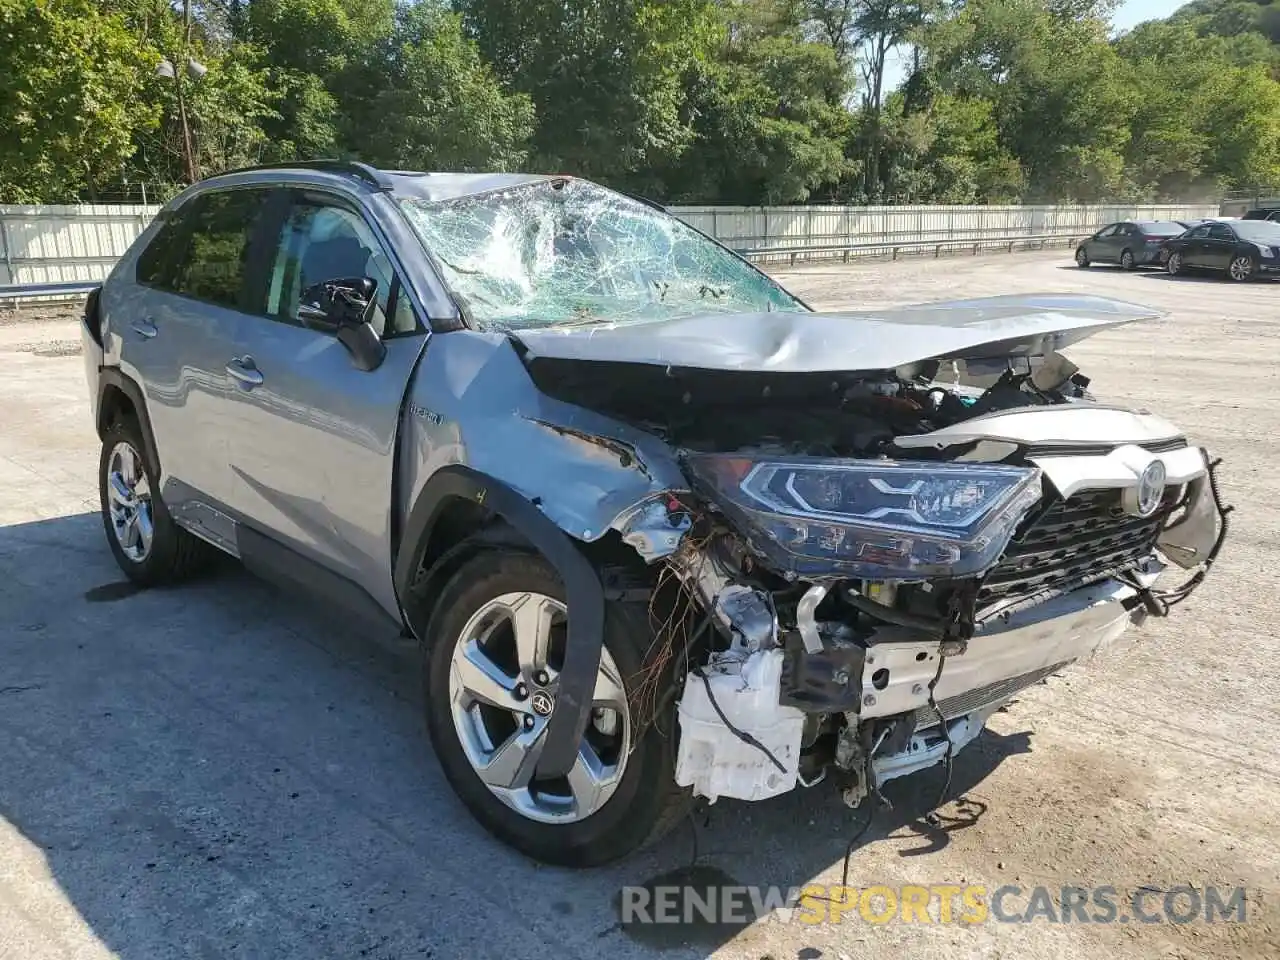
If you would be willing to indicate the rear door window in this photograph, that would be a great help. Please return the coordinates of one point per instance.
(1220, 232)
(214, 261)
(157, 260)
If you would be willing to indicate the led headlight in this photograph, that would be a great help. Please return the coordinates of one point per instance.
(871, 519)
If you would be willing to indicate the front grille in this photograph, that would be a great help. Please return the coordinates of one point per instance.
(1074, 542)
(965, 703)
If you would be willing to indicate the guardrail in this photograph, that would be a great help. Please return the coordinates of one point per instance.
(48, 292)
(847, 250)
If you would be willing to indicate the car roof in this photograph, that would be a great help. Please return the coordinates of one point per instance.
(421, 185)
(451, 186)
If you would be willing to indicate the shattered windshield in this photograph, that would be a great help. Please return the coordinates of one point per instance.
(561, 252)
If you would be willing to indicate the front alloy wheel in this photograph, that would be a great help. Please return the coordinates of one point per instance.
(1174, 266)
(1241, 268)
(1082, 258)
(496, 641)
(503, 685)
(1126, 260)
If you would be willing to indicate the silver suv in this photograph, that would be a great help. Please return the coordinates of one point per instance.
(663, 531)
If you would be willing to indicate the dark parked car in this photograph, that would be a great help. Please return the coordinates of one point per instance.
(1241, 249)
(1130, 243)
(1264, 213)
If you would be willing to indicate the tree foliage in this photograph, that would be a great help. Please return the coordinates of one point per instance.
(70, 76)
(731, 101)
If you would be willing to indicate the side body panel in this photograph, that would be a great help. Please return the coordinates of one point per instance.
(174, 349)
(313, 449)
(472, 403)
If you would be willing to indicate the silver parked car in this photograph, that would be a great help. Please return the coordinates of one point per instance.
(663, 531)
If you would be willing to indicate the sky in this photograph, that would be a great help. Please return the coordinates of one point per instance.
(1133, 12)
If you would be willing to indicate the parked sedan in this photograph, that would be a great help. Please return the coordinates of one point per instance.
(1241, 249)
(1130, 243)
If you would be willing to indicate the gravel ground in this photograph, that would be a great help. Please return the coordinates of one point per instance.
(222, 771)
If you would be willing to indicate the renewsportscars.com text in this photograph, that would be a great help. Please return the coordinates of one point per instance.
(936, 903)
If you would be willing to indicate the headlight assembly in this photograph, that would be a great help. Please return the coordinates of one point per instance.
(871, 519)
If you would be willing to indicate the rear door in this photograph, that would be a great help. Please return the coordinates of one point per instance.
(1133, 238)
(314, 445)
(178, 328)
(1219, 246)
(1195, 246)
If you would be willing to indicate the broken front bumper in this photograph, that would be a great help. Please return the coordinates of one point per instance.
(1004, 657)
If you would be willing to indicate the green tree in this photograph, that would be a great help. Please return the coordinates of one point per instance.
(70, 79)
(1206, 116)
(309, 49)
(1058, 90)
(607, 80)
(434, 104)
(768, 123)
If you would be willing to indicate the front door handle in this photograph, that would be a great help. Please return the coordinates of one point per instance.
(245, 371)
(144, 328)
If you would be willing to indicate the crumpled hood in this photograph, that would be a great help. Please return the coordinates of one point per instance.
(850, 342)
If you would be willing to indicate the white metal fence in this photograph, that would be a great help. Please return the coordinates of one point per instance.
(58, 243)
(754, 228)
(53, 243)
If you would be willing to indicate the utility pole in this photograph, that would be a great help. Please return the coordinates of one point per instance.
(188, 153)
(194, 71)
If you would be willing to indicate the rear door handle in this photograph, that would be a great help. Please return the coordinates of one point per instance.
(144, 328)
(245, 371)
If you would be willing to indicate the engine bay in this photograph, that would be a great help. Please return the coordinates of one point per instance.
(807, 414)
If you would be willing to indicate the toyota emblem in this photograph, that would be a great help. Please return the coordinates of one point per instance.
(542, 703)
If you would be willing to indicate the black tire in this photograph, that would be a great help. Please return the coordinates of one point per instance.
(175, 555)
(1082, 258)
(647, 802)
(1249, 261)
(1174, 264)
(1127, 262)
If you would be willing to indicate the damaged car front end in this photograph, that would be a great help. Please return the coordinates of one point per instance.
(883, 558)
(865, 532)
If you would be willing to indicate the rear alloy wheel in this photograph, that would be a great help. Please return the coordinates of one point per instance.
(1082, 258)
(1127, 261)
(1241, 268)
(1174, 266)
(148, 546)
(496, 642)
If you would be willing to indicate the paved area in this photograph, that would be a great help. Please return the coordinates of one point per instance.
(219, 771)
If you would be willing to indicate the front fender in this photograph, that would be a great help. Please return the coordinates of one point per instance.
(585, 594)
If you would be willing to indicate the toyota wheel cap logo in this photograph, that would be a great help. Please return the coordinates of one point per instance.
(1151, 488)
(542, 703)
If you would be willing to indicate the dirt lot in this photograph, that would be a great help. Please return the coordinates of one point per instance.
(219, 771)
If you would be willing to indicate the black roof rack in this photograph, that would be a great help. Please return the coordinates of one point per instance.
(355, 168)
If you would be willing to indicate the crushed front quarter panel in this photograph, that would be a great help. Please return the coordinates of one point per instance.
(472, 403)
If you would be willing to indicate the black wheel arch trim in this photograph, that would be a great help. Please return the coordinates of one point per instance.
(113, 377)
(583, 588)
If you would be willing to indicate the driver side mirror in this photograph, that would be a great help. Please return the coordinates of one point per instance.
(345, 308)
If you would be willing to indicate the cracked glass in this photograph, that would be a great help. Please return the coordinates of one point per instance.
(568, 252)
